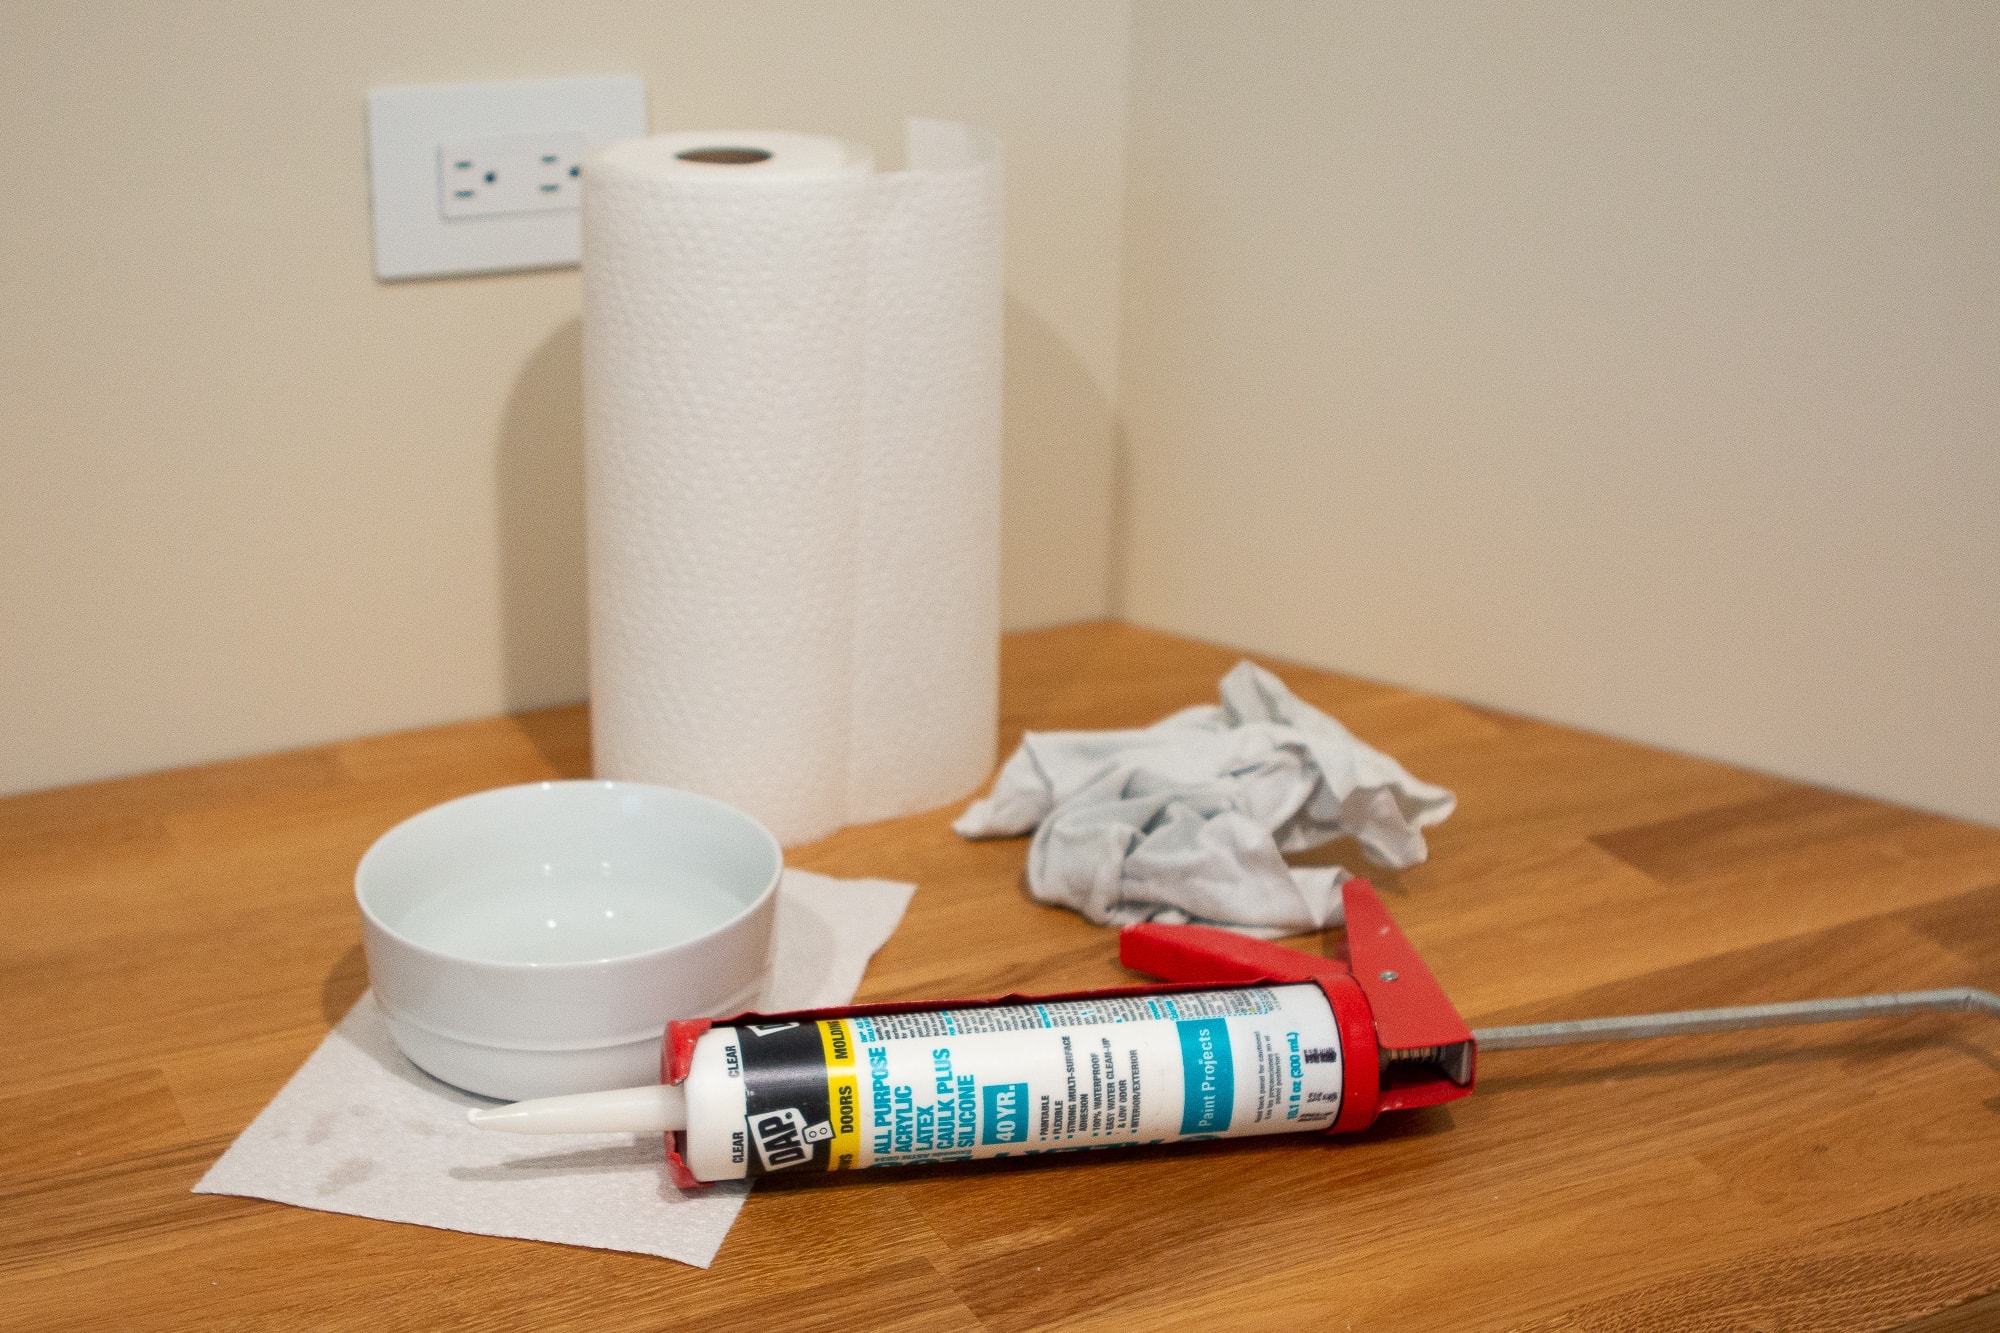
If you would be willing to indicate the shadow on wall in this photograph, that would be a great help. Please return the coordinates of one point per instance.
(1117, 560)
(1056, 504)
(1056, 479)
(540, 490)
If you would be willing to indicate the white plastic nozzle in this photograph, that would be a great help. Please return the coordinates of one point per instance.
(649, 1110)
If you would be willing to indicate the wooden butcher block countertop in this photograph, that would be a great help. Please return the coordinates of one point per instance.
(173, 947)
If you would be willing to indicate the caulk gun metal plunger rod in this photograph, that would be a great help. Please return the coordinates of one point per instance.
(1632, 1027)
(1376, 1014)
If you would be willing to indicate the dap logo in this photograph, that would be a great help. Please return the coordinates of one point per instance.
(784, 1138)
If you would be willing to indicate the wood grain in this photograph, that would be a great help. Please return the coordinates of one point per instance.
(176, 944)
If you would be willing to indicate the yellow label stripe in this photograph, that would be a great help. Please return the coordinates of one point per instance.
(843, 1095)
(838, 1042)
(843, 1100)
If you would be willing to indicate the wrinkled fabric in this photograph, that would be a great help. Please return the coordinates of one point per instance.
(1188, 820)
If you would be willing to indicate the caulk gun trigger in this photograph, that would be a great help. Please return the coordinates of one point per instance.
(1415, 1022)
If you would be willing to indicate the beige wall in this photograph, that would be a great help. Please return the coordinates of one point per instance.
(1632, 365)
(1635, 365)
(249, 498)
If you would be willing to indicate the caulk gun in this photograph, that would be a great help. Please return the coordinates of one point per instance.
(1244, 1038)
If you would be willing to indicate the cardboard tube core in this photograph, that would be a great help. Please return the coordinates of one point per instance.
(725, 157)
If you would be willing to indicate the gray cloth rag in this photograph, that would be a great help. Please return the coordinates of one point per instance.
(1189, 819)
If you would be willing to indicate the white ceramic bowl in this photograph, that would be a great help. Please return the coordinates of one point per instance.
(535, 940)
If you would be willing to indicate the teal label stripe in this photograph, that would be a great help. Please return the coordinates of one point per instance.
(1208, 1076)
(1005, 1118)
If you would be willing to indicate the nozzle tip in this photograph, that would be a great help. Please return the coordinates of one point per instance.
(650, 1109)
(509, 1116)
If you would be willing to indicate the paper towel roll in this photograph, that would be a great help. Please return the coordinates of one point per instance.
(792, 407)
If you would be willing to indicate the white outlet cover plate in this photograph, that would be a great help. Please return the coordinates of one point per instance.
(408, 125)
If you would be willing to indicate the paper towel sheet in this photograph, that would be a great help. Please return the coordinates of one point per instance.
(792, 422)
(361, 1130)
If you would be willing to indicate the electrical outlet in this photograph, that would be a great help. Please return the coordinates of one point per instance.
(514, 206)
(530, 173)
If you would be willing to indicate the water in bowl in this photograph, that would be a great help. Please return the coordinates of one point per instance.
(553, 916)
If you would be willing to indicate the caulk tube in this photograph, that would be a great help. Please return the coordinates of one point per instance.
(893, 1085)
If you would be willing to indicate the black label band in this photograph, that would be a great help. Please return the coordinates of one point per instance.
(785, 1102)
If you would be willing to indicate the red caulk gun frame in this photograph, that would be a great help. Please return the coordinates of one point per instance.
(1407, 1046)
